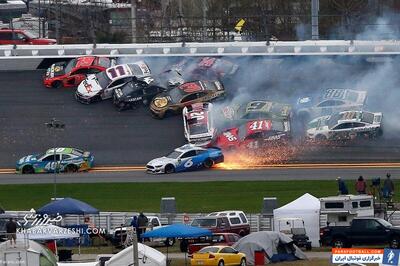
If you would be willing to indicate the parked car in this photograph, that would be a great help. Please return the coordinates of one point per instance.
(22, 37)
(218, 255)
(71, 73)
(221, 239)
(224, 222)
(118, 235)
(364, 231)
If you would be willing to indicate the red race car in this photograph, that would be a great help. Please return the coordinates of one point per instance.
(253, 135)
(70, 74)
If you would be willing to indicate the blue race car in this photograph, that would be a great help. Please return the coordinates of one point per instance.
(185, 158)
(66, 160)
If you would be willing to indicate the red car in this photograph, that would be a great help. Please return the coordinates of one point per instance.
(19, 37)
(252, 135)
(70, 74)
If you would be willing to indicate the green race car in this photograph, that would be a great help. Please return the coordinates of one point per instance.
(60, 160)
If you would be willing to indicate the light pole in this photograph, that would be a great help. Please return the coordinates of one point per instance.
(55, 125)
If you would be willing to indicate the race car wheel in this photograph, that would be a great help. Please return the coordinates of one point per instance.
(169, 169)
(221, 263)
(56, 84)
(71, 168)
(28, 169)
(208, 163)
(243, 262)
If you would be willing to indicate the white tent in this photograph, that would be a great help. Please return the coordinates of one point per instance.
(307, 207)
(147, 257)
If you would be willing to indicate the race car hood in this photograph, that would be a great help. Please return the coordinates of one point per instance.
(160, 161)
(229, 137)
(55, 70)
(28, 159)
(89, 87)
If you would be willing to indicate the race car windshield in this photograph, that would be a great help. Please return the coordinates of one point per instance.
(104, 62)
(103, 79)
(197, 128)
(70, 65)
(136, 70)
(367, 117)
(174, 155)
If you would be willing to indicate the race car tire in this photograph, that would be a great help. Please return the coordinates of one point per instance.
(71, 168)
(56, 84)
(28, 169)
(221, 263)
(243, 262)
(169, 169)
(208, 163)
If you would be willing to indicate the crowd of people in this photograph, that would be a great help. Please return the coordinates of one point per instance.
(361, 187)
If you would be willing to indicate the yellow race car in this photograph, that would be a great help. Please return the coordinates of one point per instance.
(218, 256)
(188, 93)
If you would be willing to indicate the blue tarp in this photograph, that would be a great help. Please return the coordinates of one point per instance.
(177, 231)
(67, 206)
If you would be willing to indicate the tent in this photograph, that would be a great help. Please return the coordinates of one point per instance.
(31, 252)
(275, 245)
(67, 206)
(147, 256)
(307, 207)
(177, 230)
(48, 232)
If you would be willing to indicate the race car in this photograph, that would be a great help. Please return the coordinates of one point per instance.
(329, 101)
(206, 67)
(346, 125)
(101, 86)
(143, 89)
(66, 160)
(238, 114)
(253, 135)
(198, 124)
(70, 74)
(185, 158)
(188, 93)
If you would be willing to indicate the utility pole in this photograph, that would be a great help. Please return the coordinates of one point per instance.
(314, 19)
(133, 20)
(135, 248)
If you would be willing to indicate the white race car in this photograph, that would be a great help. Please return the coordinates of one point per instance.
(330, 101)
(198, 124)
(345, 125)
(101, 86)
(185, 158)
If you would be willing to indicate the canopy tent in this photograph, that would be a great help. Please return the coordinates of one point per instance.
(275, 245)
(177, 230)
(306, 207)
(67, 206)
(48, 232)
(147, 256)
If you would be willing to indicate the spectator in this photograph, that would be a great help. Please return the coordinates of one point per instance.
(342, 186)
(134, 224)
(142, 224)
(361, 185)
(388, 187)
(11, 227)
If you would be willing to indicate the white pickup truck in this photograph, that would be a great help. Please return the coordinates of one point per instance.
(119, 234)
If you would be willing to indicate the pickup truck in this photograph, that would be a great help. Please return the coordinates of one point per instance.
(362, 231)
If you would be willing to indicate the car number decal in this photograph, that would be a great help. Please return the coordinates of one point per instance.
(188, 163)
(116, 71)
(190, 87)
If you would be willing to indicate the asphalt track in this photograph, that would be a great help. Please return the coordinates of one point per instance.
(134, 137)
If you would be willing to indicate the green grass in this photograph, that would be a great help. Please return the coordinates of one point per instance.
(190, 197)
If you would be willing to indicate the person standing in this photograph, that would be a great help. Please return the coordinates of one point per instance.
(142, 224)
(11, 227)
(134, 224)
(361, 185)
(342, 186)
(388, 187)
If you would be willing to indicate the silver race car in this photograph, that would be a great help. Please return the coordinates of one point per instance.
(330, 101)
(198, 124)
(346, 125)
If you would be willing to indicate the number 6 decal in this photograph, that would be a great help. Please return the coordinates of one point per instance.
(188, 163)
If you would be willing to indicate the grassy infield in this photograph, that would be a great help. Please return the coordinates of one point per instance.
(190, 197)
